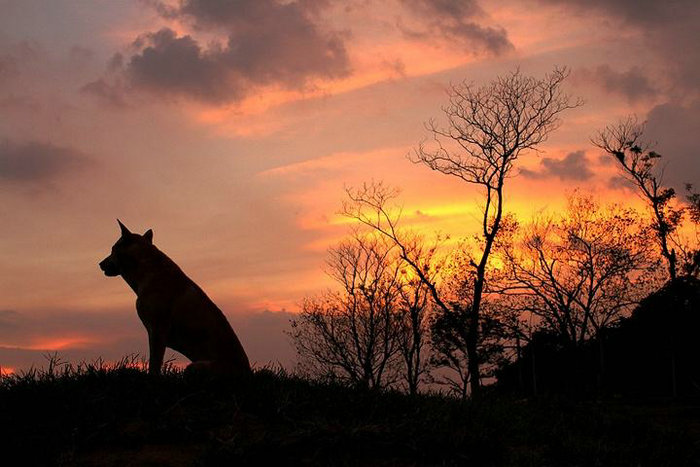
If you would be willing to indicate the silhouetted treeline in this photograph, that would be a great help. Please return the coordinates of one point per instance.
(654, 352)
(549, 300)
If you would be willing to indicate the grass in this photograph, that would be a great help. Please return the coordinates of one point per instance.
(96, 414)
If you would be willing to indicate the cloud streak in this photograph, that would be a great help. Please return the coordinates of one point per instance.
(455, 20)
(633, 84)
(36, 161)
(638, 12)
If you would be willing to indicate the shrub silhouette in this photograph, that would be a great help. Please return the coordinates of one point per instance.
(654, 352)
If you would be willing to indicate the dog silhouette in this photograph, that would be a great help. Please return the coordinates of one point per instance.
(174, 310)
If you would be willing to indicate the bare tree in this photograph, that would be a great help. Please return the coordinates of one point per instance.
(581, 272)
(351, 334)
(488, 128)
(639, 164)
(372, 205)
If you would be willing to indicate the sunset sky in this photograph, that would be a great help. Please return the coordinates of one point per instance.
(232, 127)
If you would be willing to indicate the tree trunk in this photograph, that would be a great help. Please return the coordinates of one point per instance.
(518, 364)
(472, 339)
(534, 372)
(601, 356)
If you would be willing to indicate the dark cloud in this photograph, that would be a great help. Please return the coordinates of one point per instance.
(456, 20)
(245, 14)
(618, 182)
(674, 129)
(15, 56)
(446, 8)
(575, 166)
(163, 8)
(638, 12)
(632, 84)
(178, 65)
(110, 93)
(35, 161)
(669, 28)
(267, 42)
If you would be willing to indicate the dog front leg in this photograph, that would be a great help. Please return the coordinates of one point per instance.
(156, 348)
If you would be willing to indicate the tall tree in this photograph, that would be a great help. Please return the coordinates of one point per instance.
(488, 128)
(639, 164)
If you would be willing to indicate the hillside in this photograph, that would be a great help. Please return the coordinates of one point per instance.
(120, 416)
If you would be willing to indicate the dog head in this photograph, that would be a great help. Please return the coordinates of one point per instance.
(126, 251)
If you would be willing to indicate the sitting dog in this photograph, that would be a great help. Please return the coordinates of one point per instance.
(175, 311)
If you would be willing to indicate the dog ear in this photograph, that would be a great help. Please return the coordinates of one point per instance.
(123, 228)
(148, 236)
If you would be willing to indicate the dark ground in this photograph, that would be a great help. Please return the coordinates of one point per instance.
(122, 417)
